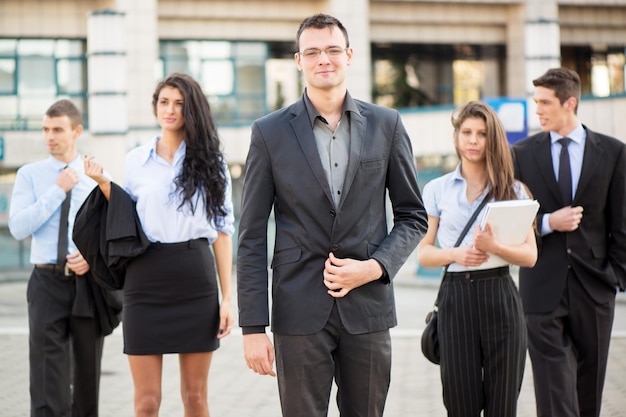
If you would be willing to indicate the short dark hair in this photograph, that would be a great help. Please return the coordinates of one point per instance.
(65, 107)
(563, 81)
(321, 21)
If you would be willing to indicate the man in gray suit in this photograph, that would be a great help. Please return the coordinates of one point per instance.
(324, 164)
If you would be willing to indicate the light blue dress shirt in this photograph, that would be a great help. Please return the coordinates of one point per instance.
(36, 206)
(446, 198)
(149, 180)
(576, 150)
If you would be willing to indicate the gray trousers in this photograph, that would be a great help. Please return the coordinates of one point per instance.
(360, 365)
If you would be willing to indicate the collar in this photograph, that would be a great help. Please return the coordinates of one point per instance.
(456, 176)
(577, 135)
(348, 106)
(60, 165)
(149, 150)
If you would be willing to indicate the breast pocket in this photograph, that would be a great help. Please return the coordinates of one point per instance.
(373, 166)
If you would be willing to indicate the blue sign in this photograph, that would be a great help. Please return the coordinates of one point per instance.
(1, 148)
(512, 113)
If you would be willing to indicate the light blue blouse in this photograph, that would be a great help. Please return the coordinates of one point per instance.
(149, 180)
(445, 198)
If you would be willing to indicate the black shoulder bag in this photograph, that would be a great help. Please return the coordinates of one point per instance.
(430, 339)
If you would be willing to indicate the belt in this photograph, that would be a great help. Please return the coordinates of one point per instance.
(502, 271)
(57, 269)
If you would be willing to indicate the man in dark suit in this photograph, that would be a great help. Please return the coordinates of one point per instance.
(579, 178)
(324, 164)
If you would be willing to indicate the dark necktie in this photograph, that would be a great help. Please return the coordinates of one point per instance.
(63, 225)
(565, 172)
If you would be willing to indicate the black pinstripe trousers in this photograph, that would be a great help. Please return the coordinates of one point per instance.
(483, 341)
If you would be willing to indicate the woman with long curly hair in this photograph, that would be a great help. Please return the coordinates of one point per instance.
(181, 186)
(481, 327)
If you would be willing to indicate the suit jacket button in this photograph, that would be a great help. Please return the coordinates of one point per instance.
(334, 247)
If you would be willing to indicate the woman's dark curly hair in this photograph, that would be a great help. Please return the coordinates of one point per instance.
(203, 169)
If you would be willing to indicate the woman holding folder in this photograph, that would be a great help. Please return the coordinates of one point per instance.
(482, 333)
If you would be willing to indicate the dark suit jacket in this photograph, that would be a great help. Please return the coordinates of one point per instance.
(596, 251)
(284, 172)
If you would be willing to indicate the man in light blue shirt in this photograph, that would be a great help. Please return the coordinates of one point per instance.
(65, 346)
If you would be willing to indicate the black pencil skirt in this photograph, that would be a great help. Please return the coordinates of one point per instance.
(171, 302)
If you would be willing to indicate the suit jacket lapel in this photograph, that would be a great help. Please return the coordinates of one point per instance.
(591, 158)
(543, 155)
(358, 124)
(304, 134)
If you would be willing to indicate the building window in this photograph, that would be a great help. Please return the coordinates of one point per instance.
(416, 75)
(232, 75)
(36, 72)
(602, 70)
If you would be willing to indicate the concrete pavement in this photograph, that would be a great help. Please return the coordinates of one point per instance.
(235, 391)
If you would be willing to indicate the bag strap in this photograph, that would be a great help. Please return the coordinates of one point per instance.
(469, 224)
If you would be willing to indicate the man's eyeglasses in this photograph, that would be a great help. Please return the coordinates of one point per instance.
(314, 53)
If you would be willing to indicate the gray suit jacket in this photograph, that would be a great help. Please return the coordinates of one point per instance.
(284, 173)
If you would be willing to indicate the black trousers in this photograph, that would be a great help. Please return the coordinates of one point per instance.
(65, 351)
(483, 343)
(360, 365)
(569, 351)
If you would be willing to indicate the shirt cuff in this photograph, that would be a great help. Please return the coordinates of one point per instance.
(252, 329)
(545, 225)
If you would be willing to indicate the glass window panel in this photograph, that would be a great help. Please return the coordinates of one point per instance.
(35, 106)
(8, 107)
(35, 47)
(194, 66)
(282, 83)
(616, 64)
(66, 48)
(251, 49)
(223, 109)
(71, 76)
(174, 49)
(250, 108)
(468, 80)
(176, 65)
(600, 85)
(159, 69)
(250, 78)
(14, 253)
(217, 77)
(7, 76)
(211, 49)
(7, 46)
(36, 75)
